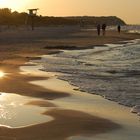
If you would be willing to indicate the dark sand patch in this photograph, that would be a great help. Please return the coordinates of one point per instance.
(41, 103)
(68, 47)
(17, 83)
(20, 85)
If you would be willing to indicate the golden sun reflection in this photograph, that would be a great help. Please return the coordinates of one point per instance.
(2, 74)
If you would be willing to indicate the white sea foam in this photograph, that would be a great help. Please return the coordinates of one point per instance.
(133, 28)
(112, 72)
(136, 109)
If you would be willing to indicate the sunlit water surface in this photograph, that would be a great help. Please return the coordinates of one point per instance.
(14, 113)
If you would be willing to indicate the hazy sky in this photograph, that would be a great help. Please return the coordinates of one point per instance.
(129, 10)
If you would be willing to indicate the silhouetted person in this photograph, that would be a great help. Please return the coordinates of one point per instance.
(104, 29)
(119, 29)
(98, 29)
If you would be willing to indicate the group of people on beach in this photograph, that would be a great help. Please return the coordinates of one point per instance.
(103, 27)
(99, 29)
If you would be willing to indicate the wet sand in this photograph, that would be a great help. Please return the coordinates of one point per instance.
(15, 51)
(14, 82)
(66, 123)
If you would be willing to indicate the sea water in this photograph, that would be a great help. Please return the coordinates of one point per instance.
(112, 71)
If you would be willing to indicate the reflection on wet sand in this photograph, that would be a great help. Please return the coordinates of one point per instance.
(14, 113)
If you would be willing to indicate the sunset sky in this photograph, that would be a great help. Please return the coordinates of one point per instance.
(129, 10)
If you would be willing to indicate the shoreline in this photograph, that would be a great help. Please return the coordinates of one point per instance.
(10, 64)
(123, 44)
(78, 98)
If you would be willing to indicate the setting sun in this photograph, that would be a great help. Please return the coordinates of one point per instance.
(2, 74)
(79, 8)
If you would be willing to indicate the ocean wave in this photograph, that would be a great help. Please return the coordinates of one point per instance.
(112, 72)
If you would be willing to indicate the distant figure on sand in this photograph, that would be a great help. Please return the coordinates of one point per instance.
(119, 28)
(104, 29)
(98, 29)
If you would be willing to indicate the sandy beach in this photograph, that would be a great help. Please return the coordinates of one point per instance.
(19, 47)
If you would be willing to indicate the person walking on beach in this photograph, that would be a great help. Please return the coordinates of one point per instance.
(104, 29)
(119, 29)
(98, 29)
